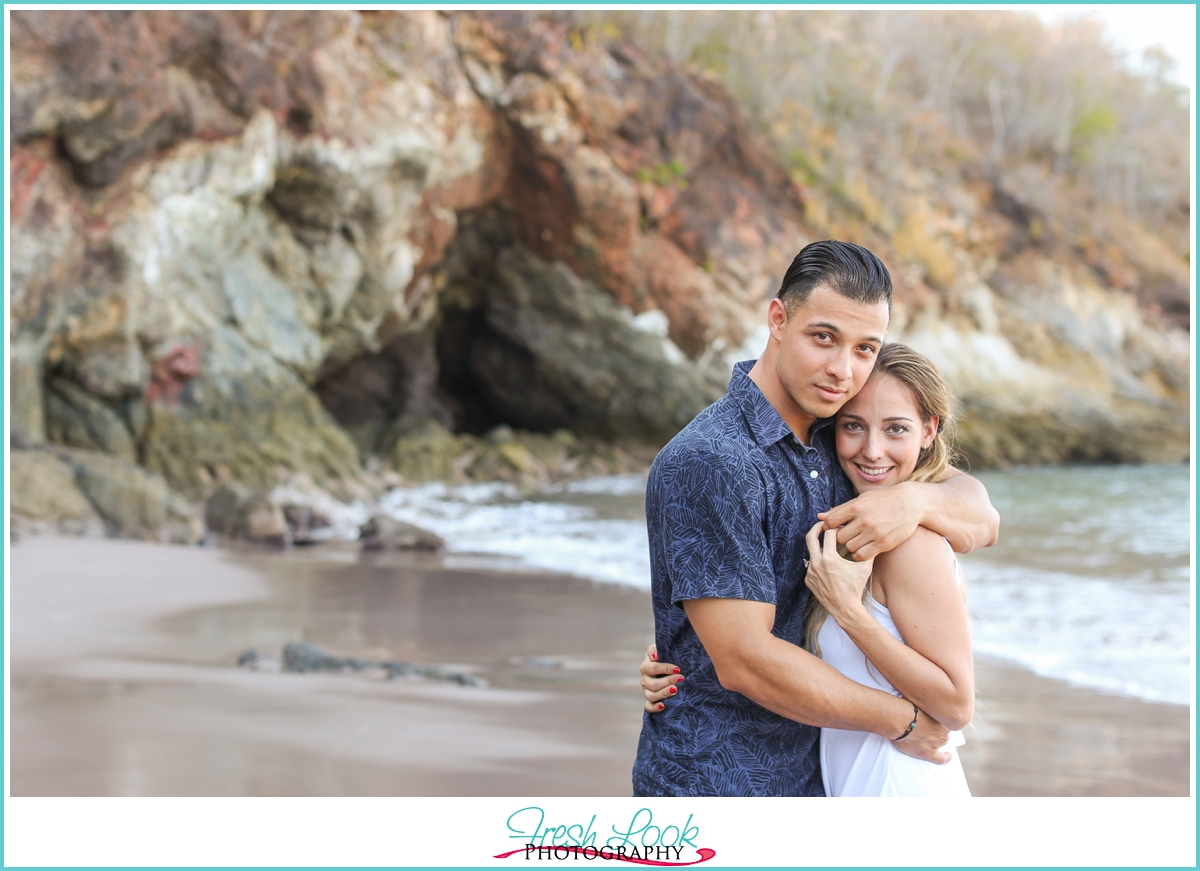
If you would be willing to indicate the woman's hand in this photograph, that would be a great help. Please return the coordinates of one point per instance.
(660, 680)
(837, 582)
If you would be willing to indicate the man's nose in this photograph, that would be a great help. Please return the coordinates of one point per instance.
(840, 366)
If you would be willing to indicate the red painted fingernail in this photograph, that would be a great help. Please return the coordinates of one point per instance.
(654, 656)
(674, 671)
(672, 690)
(661, 706)
(680, 680)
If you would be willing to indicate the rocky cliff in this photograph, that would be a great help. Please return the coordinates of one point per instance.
(248, 241)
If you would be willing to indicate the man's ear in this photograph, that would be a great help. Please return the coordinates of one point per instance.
(777, 318)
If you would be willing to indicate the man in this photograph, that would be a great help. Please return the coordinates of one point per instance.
(727, 506)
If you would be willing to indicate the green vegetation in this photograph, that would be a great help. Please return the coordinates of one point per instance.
(673, 173)
(848, 95)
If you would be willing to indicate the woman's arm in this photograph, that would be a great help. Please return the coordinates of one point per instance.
(932, 666)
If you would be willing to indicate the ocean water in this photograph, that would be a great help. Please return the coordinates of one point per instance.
(1090, 582)
(1091, 578)
(595, 528)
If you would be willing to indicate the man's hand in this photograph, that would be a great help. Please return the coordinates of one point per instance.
(877, 521)
(923, 742)
(956, 508)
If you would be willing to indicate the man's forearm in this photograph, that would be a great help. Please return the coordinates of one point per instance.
(785, 679)
(795, 684)
(959, 509)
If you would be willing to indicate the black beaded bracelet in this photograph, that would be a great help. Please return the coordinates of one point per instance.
(911, 726)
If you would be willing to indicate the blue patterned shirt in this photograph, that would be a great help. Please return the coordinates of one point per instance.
(728, 502)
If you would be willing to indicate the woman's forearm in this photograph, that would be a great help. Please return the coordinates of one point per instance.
(923, 682)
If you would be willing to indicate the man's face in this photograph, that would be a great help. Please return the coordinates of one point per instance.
(827, 348)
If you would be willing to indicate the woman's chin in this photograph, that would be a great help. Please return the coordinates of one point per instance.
(863, 487)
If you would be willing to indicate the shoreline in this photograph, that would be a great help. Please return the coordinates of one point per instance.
(124, 683)
(1071, 740)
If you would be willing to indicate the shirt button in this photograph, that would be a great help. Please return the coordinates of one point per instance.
(813, 473)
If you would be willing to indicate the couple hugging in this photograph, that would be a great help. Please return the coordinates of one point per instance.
(831, 441)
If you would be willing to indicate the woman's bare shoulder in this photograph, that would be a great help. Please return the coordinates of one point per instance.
(925, 555)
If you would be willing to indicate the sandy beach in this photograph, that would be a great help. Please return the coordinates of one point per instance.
(124, 682)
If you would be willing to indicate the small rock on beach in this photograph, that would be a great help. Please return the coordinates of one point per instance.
(385, 533)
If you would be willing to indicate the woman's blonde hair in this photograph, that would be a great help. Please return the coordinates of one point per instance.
(933, 398)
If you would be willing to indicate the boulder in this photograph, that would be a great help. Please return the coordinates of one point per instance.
(299, 656)
(398, 669)
(303, 521)
(511, 461)
(78, 418)
(528, 343)
(261, 520)
(45, 497)
(249, 413)
(385, 533)
(423, 450)
(135, 503)
(236, 512)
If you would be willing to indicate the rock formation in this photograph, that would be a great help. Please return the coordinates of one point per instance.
(301, 657)
(246, 241)
(385, 533)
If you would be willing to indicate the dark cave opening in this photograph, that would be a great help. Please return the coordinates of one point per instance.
(490, 380)
(468, 369)
(464, 374)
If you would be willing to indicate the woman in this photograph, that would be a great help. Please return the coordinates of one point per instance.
(899, 622)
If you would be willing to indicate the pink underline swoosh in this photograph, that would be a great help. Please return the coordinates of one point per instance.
(705, 855)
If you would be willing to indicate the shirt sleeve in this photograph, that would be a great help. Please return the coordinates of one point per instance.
(711, 525)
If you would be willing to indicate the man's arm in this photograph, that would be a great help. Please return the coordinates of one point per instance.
(877, 521)
(736, 634)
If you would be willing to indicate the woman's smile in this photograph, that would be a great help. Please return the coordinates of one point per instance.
(873, 474)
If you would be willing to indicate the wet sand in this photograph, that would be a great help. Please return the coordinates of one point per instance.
(123, 682)
(1034, 736)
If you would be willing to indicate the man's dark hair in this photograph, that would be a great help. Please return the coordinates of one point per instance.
(849, 269)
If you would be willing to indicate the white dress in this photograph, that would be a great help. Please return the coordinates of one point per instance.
(863, 763)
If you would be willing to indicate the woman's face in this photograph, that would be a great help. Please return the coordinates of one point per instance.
(880, 434)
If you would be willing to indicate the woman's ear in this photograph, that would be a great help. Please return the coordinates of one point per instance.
(929, 431)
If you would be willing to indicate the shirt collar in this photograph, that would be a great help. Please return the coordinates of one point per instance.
(764, 421)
